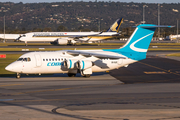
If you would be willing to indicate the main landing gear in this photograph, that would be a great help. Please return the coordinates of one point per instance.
(18, 75)
(86, 75)
(74, 74)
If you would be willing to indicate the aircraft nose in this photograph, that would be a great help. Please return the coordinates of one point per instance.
(9, 68)
(14, 67)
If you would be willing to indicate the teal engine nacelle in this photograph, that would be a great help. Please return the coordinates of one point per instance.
(84, 64)
(70, 64)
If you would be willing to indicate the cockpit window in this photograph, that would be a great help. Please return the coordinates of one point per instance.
(20, 59)
(28, 59)
(24, 59)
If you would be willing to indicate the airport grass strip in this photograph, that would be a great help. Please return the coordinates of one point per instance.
(6, 61)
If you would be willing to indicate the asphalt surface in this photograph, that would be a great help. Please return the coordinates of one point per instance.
(154, 69)
(147, 90)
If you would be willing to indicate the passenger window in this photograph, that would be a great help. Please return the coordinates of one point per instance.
(55, 59)
(52, 59)
(49, 59)
(62, 59)
(59, 59)
(46, 59)
(43, 59)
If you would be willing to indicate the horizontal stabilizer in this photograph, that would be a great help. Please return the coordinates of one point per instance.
(156, 26)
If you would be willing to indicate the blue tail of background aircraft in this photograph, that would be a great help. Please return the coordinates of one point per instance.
(138, 44)
(115, 27)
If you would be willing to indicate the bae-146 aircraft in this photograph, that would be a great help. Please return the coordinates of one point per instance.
(64, 38)
(89, 61)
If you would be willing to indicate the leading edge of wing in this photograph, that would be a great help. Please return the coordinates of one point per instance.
(89, 54)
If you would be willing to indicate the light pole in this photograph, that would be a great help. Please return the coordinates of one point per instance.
(144, 13)
(158, 20)
(99, 27)
(177, 29)
(4, 29)
(177, 26)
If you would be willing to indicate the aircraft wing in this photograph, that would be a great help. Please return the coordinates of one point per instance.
(89, 54)
(76, 37)
(81, 36)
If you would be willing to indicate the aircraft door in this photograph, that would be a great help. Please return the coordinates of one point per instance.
(38, 60)
(120, 61)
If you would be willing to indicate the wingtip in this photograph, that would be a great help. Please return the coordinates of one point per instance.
(171, 26)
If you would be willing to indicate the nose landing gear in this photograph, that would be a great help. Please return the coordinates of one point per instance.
(18, 75)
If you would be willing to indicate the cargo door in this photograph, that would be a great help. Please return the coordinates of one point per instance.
(38, 60)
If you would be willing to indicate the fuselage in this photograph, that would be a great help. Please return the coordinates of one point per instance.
(52, 36)
(53, 62)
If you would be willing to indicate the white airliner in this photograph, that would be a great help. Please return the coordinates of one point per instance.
(89, 61)
(64, 38)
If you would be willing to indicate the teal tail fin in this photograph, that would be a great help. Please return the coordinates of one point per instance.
(138, 44)
(140, 39)
(116, 25)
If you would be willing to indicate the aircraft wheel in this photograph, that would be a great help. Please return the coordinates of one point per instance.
(18, 75)
(71, 74)
(87, 75)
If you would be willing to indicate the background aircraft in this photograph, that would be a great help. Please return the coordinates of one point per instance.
(64, 38)
(89, 61)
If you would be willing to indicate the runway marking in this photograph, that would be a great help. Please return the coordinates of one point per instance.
(159, 68)
(10, 85)
(156, 72)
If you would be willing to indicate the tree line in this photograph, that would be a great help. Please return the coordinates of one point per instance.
(83, 16)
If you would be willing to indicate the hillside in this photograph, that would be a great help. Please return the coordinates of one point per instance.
(76, 16)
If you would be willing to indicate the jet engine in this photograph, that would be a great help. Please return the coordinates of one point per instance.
(60, 41)
(84, 64)
(70, 64)
(64, 41)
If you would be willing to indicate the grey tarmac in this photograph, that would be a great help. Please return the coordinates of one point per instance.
(146, 90)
